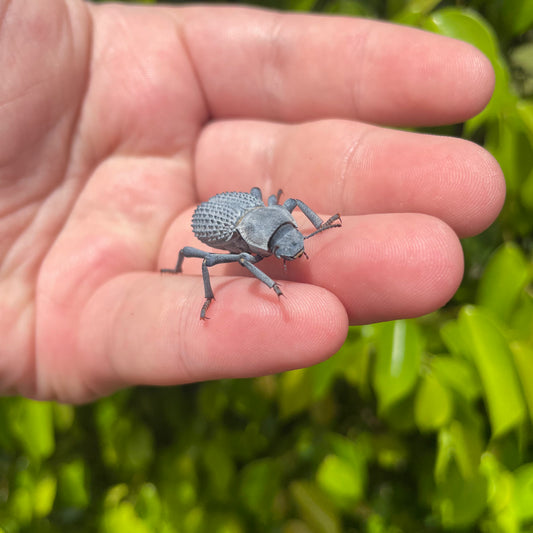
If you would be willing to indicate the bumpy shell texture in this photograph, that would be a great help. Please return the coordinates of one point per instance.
(214, 221)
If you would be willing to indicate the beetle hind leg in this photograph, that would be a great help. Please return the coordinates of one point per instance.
(273, 199)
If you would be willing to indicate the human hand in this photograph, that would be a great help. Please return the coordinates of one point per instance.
(115, 121)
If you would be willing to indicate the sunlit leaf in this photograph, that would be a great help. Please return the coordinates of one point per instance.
(461, 501)
(459, 445)
(44, 496)
(501, 488)
(413, 11)
(458, 374)
(148, 505)
(451, 335)
(399, 351)
(34, 426)
(493, 359)
(123, 518)
(504, 278)
(523, 491)
(433, 404)
(467, 25)
(523, 358)
(72, 484)
(341, 479)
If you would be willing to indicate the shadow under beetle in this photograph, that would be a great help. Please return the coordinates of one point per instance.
(249, 230)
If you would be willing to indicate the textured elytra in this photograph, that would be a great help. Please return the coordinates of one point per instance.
(214, 221)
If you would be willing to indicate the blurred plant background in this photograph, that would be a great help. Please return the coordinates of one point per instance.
(414, 426)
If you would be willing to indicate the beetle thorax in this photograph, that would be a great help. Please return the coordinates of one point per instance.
(259, 226)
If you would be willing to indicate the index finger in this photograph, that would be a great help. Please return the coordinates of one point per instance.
(293, 67)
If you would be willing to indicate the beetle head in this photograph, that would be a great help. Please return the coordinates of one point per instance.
(287, 243)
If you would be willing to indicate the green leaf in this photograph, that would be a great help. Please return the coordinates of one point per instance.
(504, 278)
(508, 141)
(123, 518)
(501, 485)
(148, 505)
(458, 444)
(295, 394)
(523, 491)
(399, 351)
(72, 484)
(452, 337)
(315, 508)
(433, 404)
(524, 109)
(33, 425)
(466, 25)
(523, 358)
(44, 496)
(347, 7)
(414, 10)
(219, 466)
(517, 16)
(526, 192)
(260, 482)
(342, 480)
(491, 354)
(458, 374)
(461, 502)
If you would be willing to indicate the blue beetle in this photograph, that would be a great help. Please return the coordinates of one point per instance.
(241, 224)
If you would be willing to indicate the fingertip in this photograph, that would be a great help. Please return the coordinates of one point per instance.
(481, 72)
(483, 190)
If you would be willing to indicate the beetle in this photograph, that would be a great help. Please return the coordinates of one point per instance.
(249, 230)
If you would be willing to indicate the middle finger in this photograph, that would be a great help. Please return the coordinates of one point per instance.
(354, 168)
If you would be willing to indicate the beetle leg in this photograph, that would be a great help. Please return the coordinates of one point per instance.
(274, 198)
(256, 191)
(209, 259)
(326, 225)
(248, 260)
(188, 251)
(317, 222)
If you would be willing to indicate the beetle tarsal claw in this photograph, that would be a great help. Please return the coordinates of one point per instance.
(277, 290)
(205, 307)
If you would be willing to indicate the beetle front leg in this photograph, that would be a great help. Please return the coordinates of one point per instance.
(317, 222)
(248, 261)
(208, 291)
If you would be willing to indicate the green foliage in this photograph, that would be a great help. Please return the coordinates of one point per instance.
(415, 425)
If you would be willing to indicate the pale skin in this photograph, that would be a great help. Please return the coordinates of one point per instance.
(115, 121)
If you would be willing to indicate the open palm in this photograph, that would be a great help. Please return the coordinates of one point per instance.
(116, 120)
